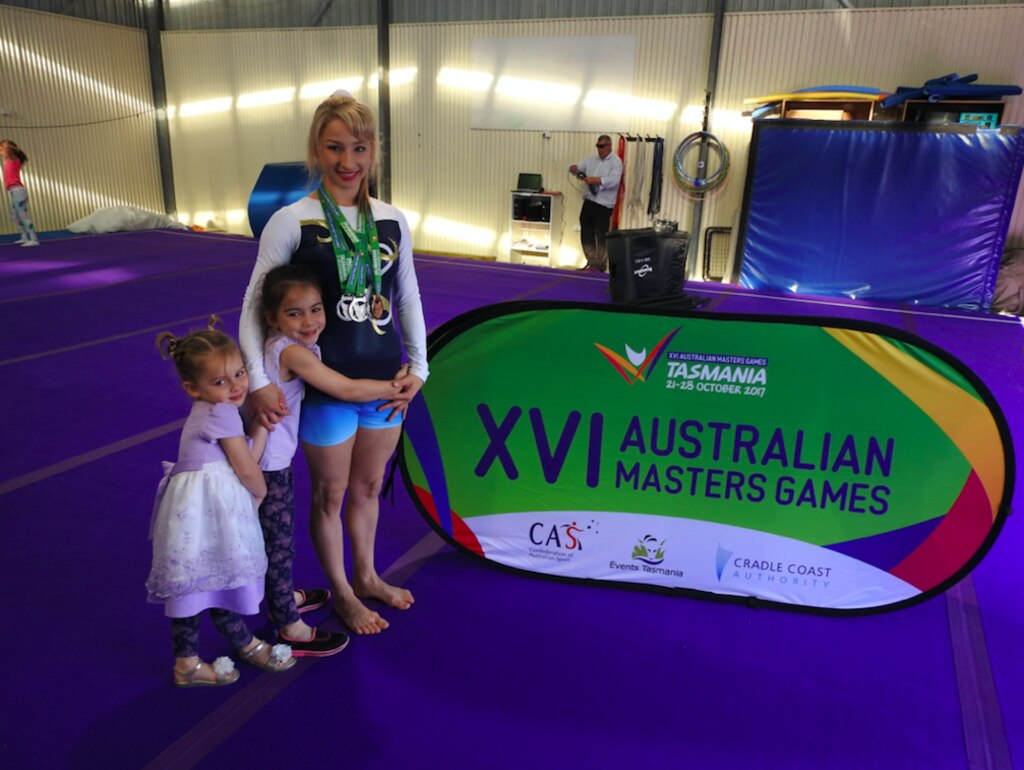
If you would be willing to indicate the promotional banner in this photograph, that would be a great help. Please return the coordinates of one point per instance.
(811, 463)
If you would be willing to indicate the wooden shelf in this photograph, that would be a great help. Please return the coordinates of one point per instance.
(829, 109)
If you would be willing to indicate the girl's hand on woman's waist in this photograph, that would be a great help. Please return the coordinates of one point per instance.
(268, 406)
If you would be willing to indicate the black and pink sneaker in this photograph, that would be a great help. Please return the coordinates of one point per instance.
(312, 600)
(323, 644)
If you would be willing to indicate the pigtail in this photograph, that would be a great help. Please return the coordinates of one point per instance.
(185, 351)
(166, 343)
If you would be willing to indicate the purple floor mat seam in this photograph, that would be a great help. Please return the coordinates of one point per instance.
(126, 335)
(141, 279)
(87, 457)
(984, 731)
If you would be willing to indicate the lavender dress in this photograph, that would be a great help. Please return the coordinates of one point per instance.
(207, 543)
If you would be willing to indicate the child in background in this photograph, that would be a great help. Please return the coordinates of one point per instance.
(13, 159)
(207, 547)
(292, 311)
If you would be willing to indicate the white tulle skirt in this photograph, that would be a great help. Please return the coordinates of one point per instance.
(206, 535)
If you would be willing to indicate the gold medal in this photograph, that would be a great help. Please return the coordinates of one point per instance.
(377, 307)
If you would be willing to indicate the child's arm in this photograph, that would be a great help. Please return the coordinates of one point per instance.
(259, 435)
(305, 365)
(237, 450)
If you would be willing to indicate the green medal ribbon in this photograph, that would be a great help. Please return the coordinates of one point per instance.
(355, 252)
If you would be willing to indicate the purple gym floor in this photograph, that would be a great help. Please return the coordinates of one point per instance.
(489, 669)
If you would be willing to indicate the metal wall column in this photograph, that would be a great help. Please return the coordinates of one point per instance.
(154, 26)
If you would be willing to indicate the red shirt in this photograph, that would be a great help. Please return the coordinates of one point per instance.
(12, 173)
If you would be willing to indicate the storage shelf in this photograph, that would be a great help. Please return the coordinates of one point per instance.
(535, 227)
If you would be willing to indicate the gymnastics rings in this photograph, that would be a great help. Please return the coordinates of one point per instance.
(698, 185)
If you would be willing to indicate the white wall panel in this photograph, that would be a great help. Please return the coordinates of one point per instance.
(81, 99)
(218, 155)
(458, 179)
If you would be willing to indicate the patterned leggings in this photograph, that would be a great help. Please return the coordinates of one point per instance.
(277, 517)
(19, 213)
(185, 632)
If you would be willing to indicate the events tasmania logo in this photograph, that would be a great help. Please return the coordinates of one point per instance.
(636, 366)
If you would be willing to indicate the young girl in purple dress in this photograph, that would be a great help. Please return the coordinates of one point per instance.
(207, 546)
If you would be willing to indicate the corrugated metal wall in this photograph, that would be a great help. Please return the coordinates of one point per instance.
(268, 14)
(81, 100)
(128, 13)
(454, 180)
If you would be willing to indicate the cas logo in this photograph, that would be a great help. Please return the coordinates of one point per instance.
(564, 536)
(636, 366)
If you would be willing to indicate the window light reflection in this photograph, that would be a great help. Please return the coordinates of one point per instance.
(23, 55)
(263, 98)
(467, 79)
(537, 90)
(325, 88)
(398, 77)
(623, 103)
(447, 228)
(205, 107)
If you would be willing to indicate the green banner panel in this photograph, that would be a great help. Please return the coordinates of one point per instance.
(811, 463)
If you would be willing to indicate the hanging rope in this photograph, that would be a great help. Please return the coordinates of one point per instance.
(657, 170)
(634, 194)
(699, 185)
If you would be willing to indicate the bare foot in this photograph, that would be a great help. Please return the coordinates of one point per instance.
(359, 618)
(375, 588)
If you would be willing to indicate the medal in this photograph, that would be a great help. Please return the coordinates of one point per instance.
(358, 258)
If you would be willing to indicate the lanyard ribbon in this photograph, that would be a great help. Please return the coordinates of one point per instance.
(357, 253)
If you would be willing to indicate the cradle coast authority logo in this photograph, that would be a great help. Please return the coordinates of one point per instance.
(716, 373)
(733, 568)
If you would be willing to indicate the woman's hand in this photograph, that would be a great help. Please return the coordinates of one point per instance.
(408, 386)
(268, 406)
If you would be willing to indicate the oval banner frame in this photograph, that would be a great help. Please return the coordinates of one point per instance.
(815, 464)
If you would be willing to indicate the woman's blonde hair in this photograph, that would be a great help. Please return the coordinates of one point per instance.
(360, 121)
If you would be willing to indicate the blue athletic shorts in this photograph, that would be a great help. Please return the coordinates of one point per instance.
(329, 423)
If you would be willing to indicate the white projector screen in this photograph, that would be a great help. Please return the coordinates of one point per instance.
(555, 83)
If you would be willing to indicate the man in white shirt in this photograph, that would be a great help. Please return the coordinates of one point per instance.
(601, 173)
